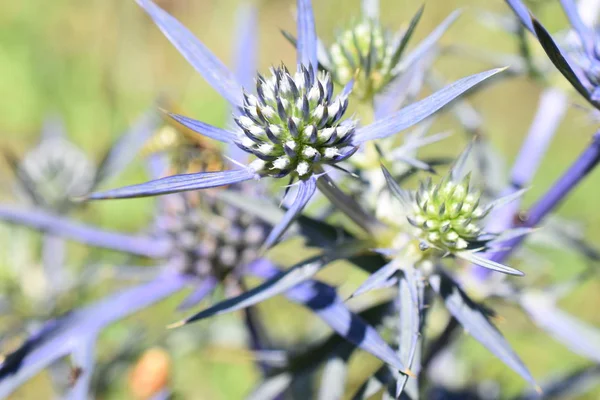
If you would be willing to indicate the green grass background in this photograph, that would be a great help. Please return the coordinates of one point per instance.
(100, 63)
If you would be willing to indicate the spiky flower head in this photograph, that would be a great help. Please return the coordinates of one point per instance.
(210, 237)
(365, 51)
(294, 123)
(58, 171)
(448, 215)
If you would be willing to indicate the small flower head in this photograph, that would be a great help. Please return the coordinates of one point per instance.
(365, 50)
(448, 214)
(212, 238)
(295, 123)
(58, 171)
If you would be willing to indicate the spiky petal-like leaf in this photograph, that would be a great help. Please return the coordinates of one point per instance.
(305, 192)
(176, 183)
(196, 53)
(417, 112)
(476, 323)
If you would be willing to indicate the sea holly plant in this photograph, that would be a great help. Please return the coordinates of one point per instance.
(293, 125)
(197, 240)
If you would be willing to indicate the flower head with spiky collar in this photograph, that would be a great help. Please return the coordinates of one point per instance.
(448, 217)
(294, 123)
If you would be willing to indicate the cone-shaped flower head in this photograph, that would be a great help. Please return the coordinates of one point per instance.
(448, 214)
(366, 51)
(294, 123)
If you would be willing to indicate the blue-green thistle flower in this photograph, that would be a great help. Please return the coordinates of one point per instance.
(292, 124)
(448, 217)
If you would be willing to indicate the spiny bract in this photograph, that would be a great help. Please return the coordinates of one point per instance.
(294, 123)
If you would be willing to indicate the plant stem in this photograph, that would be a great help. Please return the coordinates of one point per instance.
(584, 164)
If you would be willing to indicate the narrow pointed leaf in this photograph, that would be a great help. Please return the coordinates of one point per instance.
(329, 307)
(489, 264)
(278, 284)
(176, 183)
(430, 41)
(196, 53)
(475, 321)
(522, 13)
(307, 35)
(61, 336)
(127, 146)
(306, 190)
(396, 190)
(377, 280)
(205, 129)
(578, 336)
(401, 88)
(64, 227)
(348, 205)
(323, 301)
(559, 60)
(407, 35)
(417, 112)
(457, 170)
(410, 324)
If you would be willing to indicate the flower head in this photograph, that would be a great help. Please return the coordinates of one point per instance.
(295, 123)
(58, 170)
(211, 238)
(365, 50)
(447, 214)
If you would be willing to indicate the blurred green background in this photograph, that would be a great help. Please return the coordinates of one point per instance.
(100, 63)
